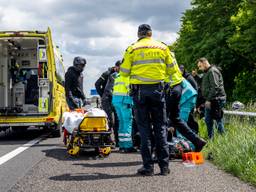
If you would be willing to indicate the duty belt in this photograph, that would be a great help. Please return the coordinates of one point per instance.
(144, 86)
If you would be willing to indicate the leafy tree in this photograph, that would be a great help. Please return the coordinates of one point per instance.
(244, 38)
(245, 86)
(243, 43)
(210, 30)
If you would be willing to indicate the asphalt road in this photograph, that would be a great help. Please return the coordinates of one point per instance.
(17, 167)
(47, 167)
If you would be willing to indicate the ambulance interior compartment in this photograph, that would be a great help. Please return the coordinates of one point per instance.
(21, 72)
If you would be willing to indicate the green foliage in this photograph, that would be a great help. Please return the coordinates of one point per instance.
(245, 86)
(222, 31)
(243, 39)
(235, 151)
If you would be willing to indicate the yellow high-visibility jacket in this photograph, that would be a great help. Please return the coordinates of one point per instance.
(149, 62)
(121, 86)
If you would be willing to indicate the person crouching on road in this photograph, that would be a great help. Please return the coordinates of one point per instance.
(146, 63)
(187, 104)
(192, 96)
(74, 84)
(123, 106)
(173, 98)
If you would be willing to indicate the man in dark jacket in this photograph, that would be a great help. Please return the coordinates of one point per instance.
(188, 77)
(104, 86)
(102, 81)
(106, 99)
(74, 84)
(214, 94)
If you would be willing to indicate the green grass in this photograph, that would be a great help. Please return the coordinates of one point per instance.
(235, 151)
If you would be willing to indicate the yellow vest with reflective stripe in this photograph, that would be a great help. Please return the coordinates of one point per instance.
(174, 78)
(121, 86)
(149, 62)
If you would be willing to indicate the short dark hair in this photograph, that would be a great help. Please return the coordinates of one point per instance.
(144, 29)
(202, 60)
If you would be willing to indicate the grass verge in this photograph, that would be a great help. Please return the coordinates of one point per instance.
(235, 151)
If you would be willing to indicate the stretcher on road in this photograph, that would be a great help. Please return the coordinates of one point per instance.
(87, 130)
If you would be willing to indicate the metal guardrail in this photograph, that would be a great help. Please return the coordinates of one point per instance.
(240, 113)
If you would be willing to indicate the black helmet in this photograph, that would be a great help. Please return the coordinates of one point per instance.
(79, 61)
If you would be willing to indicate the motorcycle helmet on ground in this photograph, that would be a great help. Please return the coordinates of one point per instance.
(237, 105)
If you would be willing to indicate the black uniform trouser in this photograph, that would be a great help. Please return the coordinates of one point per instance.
(107, 106)
(150, 109)
(173, 111)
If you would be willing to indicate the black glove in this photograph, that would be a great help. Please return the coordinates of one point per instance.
(76, 102)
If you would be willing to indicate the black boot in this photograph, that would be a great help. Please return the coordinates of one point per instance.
(164, 171)
(200, 144)
(145, 172)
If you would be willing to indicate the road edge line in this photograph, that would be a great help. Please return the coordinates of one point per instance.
(19, 150)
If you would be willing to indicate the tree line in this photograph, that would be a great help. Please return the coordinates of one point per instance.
(225, 33)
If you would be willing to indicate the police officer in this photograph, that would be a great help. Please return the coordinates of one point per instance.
(146, 63)
(74, 84)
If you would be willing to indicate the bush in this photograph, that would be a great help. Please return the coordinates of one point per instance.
(245, 87)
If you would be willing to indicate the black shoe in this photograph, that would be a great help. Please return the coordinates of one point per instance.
(130, 150)
(200, 145)
(145, 172)
(127, 150)
(155, 159)
(165, 171)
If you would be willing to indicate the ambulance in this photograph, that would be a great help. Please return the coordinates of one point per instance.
(31, 81)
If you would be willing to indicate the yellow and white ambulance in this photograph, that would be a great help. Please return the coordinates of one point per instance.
(31, 81)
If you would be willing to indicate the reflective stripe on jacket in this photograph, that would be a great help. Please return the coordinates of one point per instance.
(121, 85)
(149, 62)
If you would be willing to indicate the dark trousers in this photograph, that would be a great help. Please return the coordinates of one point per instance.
(173, 111)
(150, 109)
(106, 104)
(192, 123)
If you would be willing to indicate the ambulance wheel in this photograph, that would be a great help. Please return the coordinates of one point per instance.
(19, 129)
(105, 151)
(56, 132)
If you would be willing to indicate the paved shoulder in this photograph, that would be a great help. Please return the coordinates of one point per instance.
(59, 172)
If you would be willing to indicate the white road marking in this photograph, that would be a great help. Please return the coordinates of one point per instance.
(17, 151)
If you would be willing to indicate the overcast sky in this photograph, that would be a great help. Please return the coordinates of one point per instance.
(99, 30)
